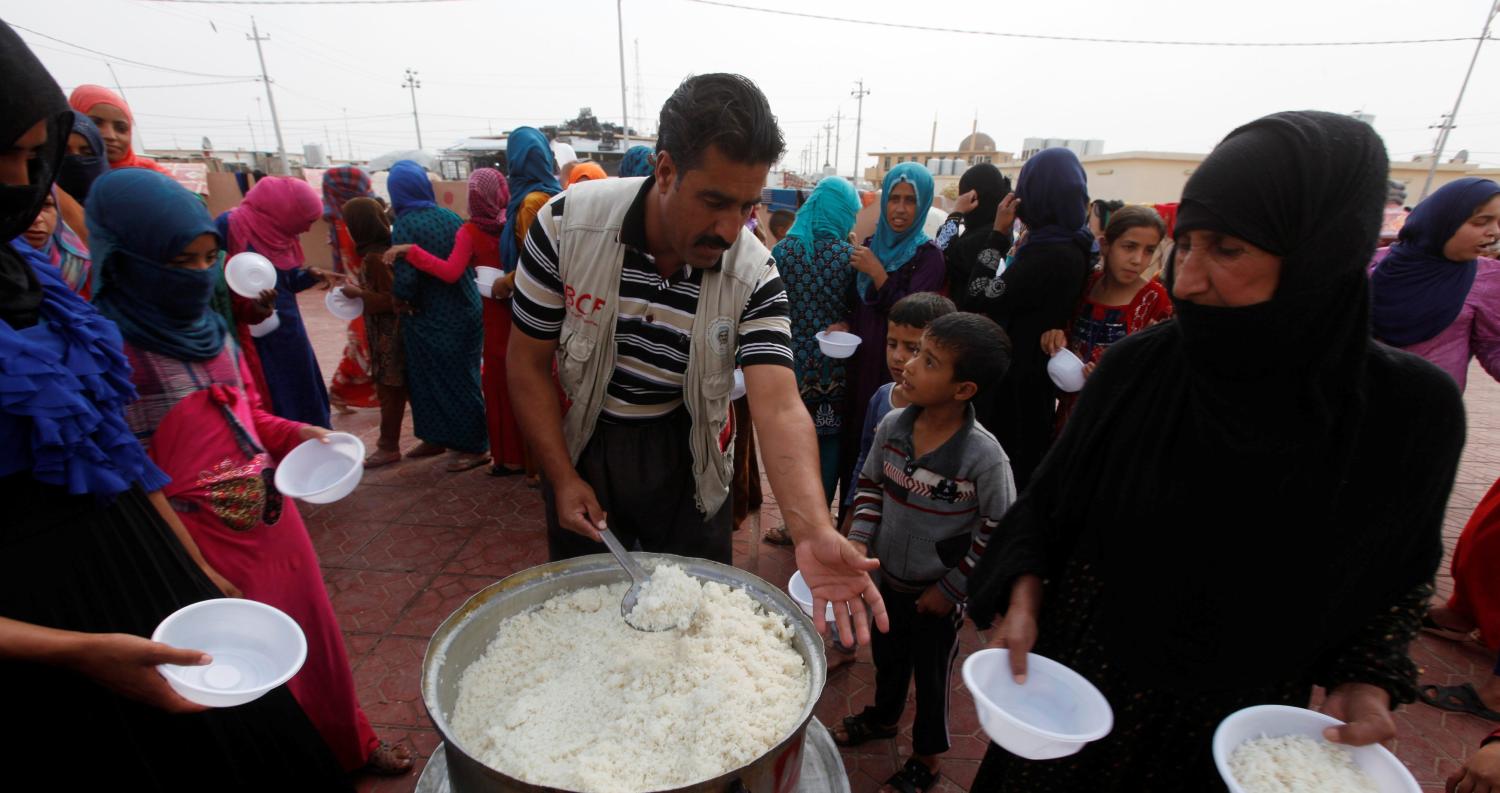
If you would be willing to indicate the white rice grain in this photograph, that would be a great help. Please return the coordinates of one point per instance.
(1297, 764)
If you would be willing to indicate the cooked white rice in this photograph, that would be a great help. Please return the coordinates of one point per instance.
(669, 599)
(569, 696)
(1297, 764)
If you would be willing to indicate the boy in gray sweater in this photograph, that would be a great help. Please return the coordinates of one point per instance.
(932, 489)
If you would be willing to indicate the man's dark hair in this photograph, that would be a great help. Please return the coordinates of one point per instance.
(781, 222)
(918, 309)
(722, 110)
(980, 348)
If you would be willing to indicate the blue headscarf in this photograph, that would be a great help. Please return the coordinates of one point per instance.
(896, 249)
(138, 220)
(1416, 292)
(410, 188)
(829, 212)
(637, 162)
(528, 157)
(78, 171)
(1054, 194)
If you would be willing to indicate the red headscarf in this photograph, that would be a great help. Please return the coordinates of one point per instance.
(86, 97)
(585, 170)
(488, 195)
(274, 213)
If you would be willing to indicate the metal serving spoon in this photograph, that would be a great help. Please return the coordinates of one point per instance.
(638, 579)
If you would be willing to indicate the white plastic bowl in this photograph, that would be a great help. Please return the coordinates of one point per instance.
(266, 326)
(321, 473)
(485, 278)
(255, 648)
(837, 344)
(1387, 772)
(739, 385)
(801, 593)
(248, 274)
(1053, 715)
(1066, 371)
(342, 306)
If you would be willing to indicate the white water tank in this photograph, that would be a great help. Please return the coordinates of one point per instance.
(960, 164)
(314, 155)
(934, 165)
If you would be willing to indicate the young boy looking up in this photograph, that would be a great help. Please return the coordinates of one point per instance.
(903, 335)
(933, 488)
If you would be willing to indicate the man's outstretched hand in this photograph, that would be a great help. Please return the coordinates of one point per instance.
(836, 571)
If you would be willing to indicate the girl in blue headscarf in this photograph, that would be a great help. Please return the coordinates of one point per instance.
(1436, 292)
(52, 242)
(444, 335)
(637, 162)
(1037, 292)
(813, 259)
(529, 163)
(160, 257)
(900, 259)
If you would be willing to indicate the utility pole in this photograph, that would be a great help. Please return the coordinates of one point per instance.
(624, 106)
(348, 143)
(817, 144)
(838, 137)
(330, 141)
(640, 110)
(932, 146)
(860, 93)
(253, 144)
(1446, 125)
(827, 144)
(411, 83)
(284, 167)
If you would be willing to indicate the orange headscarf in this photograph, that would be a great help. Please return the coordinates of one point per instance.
(85, 97)
(584, 171)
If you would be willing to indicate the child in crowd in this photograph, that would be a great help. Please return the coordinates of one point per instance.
(903, 335)
(1118, 298)
(931, 491)
(781, 223)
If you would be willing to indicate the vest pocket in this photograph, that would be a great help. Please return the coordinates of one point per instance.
(574, 353)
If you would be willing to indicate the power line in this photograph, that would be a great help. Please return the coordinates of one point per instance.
(191, 85)
(130, 61)
(304, 2)
(1076, 39)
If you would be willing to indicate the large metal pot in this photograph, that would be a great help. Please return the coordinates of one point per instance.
(467, 633)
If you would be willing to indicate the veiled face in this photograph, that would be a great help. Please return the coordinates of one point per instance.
(15, 159)
(1477, 235)
(1215, 269)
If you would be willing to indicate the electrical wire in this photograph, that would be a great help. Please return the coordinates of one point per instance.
(1076, 39)
(304, 2)
(141, 64)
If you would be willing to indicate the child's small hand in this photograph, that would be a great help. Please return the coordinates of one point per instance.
(1053, 340)
(313, 432)
(934, 602)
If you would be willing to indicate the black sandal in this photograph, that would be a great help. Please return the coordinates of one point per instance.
(859, 729)
(1431, 627)
(1458, 699)
(914, 777)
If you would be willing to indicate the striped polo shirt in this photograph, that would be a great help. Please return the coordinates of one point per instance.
(655, 321)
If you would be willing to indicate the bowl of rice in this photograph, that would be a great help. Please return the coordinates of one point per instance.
(538, 684)
(1281, 749)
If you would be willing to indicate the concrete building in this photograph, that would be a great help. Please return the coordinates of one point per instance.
(489, 152)
(1079, 146)
(972, 150)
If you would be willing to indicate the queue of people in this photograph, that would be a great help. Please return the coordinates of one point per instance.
(1261, 385)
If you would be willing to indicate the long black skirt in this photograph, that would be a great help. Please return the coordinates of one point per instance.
(84, 564)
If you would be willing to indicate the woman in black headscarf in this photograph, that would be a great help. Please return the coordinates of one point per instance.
(88, 565)
(1257, 535)
(981, 247)
(1035, 293)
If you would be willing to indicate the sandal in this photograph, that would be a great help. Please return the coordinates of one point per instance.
(914, 777)
(382, 457)
(388, 760)
(459, 461)
(859, 729)
(534, 481)
(500, 470)
(425, 449)
(777, 536)
(1431, 627)
(1458, 699)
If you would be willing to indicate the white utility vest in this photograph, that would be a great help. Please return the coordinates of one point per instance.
(590, 257)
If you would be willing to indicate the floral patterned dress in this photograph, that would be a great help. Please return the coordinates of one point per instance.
(816, 290)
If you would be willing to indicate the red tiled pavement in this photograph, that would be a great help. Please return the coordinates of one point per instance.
(413, 542)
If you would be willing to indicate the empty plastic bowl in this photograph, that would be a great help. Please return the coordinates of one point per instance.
(1052, 715)
(266, 325)
(255, 648)
(485, 278)
(1272, 721)
(837, 344)
(739, 385)
(800, 592)
(320, 473)
(1066, 371)
(248, 274)
(342, 306)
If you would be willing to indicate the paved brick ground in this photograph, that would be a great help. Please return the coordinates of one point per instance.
(413, 542)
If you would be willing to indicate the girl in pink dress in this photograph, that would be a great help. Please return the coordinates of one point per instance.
(157, 259)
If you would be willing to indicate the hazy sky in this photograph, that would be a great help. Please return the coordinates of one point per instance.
(490, 65)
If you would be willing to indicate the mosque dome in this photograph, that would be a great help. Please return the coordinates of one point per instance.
(977, 142)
